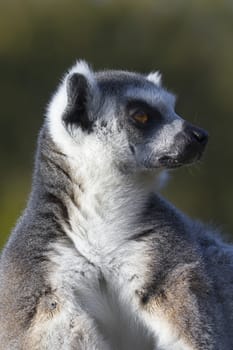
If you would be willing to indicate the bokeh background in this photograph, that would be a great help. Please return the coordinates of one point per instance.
(190, 42)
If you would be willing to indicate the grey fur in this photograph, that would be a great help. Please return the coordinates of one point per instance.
(185, 271)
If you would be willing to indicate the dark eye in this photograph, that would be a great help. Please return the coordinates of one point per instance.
(141, 117)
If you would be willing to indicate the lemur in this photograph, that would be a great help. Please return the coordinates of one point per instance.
(99, 260)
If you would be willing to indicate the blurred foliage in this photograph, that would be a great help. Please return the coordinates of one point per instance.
(190, 42)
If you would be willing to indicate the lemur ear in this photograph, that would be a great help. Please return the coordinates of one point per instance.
(78, 91)
(155, 77)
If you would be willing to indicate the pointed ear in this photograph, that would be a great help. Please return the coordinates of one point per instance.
(77, 91)
(155, 77)
(78, 94)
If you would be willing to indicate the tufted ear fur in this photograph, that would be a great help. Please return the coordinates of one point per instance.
(78, 94)
(68, 107)
(155, 77)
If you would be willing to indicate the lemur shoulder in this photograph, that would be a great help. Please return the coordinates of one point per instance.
(99, 260)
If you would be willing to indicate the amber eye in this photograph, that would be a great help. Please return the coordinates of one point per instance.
(141, 117)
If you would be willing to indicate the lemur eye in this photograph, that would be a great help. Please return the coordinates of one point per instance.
(141, 117)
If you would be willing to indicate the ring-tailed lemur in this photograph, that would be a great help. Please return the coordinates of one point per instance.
(99, 260)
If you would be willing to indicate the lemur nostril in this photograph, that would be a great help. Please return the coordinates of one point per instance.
(200, 135)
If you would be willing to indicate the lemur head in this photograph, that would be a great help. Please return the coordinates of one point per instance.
(127, 117)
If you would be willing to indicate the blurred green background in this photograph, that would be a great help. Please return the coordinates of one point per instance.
(190, 42)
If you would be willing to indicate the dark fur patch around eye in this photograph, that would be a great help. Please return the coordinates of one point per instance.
(135, 105)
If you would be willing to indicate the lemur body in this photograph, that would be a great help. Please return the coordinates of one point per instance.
(99, 260)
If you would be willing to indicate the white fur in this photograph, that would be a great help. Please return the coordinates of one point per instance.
(109, 308)
(169, 132)
(83, 68)
(58, 105)
(155, 77)
(166, 334)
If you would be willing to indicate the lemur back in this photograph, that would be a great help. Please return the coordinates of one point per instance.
(99, 260)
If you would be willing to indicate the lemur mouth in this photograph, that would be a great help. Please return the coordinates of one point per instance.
(170, 162)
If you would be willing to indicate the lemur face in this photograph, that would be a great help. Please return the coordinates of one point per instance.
(133, 117)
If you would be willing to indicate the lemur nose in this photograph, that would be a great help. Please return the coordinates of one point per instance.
(200, 135)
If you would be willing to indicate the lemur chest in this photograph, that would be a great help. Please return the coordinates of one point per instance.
(98, 231)
(88, 289)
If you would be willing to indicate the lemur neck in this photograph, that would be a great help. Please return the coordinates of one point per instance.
(93, 201)
(108, 191)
